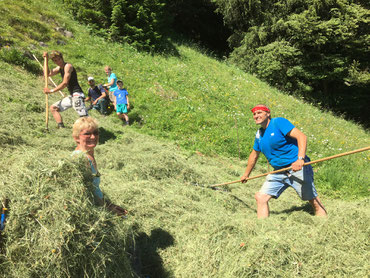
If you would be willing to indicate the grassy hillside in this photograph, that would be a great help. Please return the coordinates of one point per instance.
(176, 227)
(199, 103)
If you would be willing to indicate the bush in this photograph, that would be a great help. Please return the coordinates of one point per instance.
(139, 23)
(17, 57)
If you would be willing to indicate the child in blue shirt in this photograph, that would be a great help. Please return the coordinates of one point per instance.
(121, 102)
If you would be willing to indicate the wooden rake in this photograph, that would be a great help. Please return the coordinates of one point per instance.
(50, 79)
(46, 75)
(288, 168)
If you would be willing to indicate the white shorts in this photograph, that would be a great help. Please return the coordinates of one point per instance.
(77, 101)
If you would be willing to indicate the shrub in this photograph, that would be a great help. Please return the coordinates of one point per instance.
(15, 56)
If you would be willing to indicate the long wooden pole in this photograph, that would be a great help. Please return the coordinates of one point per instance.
(46, 75)
(288, 168)
(237, 135)
(51, 80)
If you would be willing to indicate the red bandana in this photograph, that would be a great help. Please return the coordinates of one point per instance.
(260, 107)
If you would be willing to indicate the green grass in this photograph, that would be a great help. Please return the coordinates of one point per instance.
(176, 227)
(198, 102)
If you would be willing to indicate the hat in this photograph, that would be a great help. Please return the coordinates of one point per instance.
(90, 78)
(55, 53)
(119, 81)
(260, 107)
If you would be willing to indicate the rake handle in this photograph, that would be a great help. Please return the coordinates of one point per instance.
(51, 80)
(288, 168)
(46, 95)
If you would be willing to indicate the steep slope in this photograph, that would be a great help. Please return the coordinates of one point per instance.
(176, 227)
(198, 102)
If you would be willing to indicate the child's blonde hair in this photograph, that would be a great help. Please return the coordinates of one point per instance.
(84, 123)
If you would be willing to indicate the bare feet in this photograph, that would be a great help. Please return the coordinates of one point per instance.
(318, 207)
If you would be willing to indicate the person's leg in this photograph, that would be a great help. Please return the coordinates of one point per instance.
(103, 106)
(111, 96)
(318, 207)
(262, 199)
(59, 107)
(55, 112)
(78, 103)
(303, 183)
(126, 118)
(124, 113)
(89, 107)
(273, 186)
(120, 116)
(97, 106)
(121, 112)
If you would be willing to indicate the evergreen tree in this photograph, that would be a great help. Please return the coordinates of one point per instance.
(138, 22)
(315, 48)
(197, 20)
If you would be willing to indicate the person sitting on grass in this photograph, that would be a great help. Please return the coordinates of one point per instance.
(97, 96)
(121, 102)
(86, 135)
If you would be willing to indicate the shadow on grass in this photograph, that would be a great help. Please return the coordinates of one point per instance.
(306, 208)
(9, 140)
(105, 135)
(136, 118)
(243, 203)
(226, 190)
(146, 261)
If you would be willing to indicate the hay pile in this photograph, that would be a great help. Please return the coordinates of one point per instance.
(53, 228)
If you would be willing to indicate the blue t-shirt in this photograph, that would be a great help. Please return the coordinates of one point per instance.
(280, 150)
(121, 96)
(114, 85)
(96, 92)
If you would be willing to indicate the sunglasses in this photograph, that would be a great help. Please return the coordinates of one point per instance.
(96, 133)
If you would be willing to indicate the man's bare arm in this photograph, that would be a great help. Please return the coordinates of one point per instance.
(302, 147)
(252, 160)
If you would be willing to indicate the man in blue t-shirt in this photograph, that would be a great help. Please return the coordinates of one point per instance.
(97, 96)
(284, 146)
(121, 102)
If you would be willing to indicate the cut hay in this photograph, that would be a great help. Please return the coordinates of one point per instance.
(53, 227)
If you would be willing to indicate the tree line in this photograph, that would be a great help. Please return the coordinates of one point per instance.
(315, 49)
